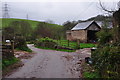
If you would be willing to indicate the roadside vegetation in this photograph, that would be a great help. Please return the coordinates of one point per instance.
(8, 62)
(64, 50)
(89, 72)
(106, 62)
(48, 43)
(106, 58)
(61, 45)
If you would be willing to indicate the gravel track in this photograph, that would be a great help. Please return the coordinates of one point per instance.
(49, 64)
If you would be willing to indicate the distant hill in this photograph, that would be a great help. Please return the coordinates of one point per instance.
(101, 18)
(98, 18)
(7, 21)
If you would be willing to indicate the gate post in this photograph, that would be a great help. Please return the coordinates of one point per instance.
(78, 43)
(12, 45)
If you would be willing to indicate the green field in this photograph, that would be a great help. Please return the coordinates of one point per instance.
(72, 44)
(87, 45)
(6, 22)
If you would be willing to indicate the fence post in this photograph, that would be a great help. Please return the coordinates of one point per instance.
(68, 43)
(60, 41)
(78, 43)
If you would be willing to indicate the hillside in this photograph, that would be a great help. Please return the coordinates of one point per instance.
(98, 18)
(32, 29)
(6, 22)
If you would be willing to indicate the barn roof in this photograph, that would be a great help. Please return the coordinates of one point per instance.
(82, 25)
(100, 23)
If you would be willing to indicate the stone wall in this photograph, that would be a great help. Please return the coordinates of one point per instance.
(80, 35)
(77, 35)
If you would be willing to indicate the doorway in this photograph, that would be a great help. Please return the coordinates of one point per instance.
(91, 36)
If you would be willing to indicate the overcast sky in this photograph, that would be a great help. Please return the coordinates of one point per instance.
(58, 11)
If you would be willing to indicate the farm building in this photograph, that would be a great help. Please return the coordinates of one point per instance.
(84, 31)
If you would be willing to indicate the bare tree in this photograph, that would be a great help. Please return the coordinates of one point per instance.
(107, 10)
(116, 20)
(119, 4)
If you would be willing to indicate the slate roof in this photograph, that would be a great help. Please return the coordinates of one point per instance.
(109, 24)
(82, 25)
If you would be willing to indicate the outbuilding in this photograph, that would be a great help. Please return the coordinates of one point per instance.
(84, 32)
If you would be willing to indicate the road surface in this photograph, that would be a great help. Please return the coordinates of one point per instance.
(49, 64)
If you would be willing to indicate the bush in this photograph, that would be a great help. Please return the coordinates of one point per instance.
(104, 36)
(7, 62)
(20, 44)
(46, 42)
(106, 61)
(24, 48)
(91, 75)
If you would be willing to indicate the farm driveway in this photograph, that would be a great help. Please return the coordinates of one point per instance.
(50, 64)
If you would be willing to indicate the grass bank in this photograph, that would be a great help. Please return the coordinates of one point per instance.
(24, 49)
(8, 62)
(89, 72)
(65, 50)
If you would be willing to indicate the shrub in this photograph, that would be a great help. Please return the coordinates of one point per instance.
(20, 44)
(7, 62)
(104, 36)
(107, 62)
(46, 42)
(106, 59)
(24, 48)
(91, 75)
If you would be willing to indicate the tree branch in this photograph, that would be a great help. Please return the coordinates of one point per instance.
(110, 11)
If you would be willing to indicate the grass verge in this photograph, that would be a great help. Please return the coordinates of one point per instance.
(89, 72)
(91, 75)
(24, 49)
(11, 68)
(87, 45)
(65, 50)
(8, 62)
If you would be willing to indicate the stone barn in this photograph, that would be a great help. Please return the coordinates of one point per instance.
(84, 32)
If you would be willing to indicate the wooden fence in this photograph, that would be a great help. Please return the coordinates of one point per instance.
(68, 44)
